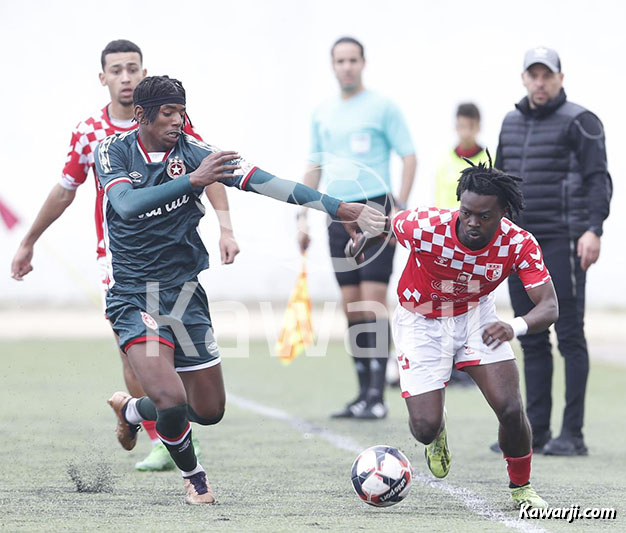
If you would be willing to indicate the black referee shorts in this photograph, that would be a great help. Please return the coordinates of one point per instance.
(378, 262)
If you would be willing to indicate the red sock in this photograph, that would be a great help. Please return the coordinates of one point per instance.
(518, 469)
(150, 427)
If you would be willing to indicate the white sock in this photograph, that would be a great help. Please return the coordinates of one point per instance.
(197, 469)
(131, 414)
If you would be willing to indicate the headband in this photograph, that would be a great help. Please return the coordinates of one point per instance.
(161, 100)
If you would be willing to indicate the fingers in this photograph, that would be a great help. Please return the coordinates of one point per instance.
(19, 273)
(351, 230)
(496, 334)
(224, 156)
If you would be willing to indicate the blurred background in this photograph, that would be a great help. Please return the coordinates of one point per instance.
(254, 72)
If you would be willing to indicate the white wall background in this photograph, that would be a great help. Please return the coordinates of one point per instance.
(253, 73)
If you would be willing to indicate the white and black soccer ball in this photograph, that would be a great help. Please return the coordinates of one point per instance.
(382, 476)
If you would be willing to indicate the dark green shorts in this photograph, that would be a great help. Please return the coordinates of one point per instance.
(177, 317)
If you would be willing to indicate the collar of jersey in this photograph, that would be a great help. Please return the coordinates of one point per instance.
(146, 155)
(465, 249)
(107, 119)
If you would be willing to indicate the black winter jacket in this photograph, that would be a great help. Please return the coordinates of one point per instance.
(558, 150)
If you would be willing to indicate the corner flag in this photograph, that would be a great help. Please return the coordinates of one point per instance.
(297, 332)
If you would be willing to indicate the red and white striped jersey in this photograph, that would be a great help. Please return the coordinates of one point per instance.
(80, 160)
(444, 278)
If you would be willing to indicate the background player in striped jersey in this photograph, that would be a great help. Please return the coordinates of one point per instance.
(155, 303)
(447, 315)
(122, 70)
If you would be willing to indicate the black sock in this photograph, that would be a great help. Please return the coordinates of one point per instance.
(377, 340)
(146, 408)
(174, 430)
(361, 364)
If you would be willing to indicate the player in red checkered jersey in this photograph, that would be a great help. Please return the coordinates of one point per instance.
(447, 314)
(122, 70)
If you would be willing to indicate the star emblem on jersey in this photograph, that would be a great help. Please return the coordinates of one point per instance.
(175, 167)
(493, 271)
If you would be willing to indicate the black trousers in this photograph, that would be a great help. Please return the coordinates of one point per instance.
(569, 281)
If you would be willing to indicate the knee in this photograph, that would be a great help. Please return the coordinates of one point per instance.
(172, 416)
(425, 430)
(207, 416)
(510, 411)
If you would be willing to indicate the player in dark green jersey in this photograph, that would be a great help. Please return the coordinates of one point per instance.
(153, 179)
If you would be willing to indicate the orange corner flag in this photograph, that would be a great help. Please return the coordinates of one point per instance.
(297, 332)
(9, 218)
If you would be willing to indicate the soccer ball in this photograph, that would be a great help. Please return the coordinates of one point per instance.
(382, 476)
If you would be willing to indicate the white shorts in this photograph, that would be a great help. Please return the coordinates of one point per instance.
(428, 347)
(104, 269)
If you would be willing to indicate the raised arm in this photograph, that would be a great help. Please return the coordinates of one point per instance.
(57, 202)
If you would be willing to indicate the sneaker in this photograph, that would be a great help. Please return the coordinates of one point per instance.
(376, 410)
(351, 410)
(198, 490)
(438, 456)
(527, 495)
(158, 460)
(126, 433)
(566, 446)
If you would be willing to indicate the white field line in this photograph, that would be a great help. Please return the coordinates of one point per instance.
(472, 501)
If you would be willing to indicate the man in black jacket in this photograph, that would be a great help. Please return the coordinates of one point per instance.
(557, 148)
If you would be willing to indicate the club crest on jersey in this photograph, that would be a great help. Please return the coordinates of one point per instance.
(175, 167)
(149, 321)
(493, 271)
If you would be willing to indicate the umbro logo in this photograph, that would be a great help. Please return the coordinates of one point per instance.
(135, 176)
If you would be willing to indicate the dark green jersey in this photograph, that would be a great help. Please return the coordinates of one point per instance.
(152, 211)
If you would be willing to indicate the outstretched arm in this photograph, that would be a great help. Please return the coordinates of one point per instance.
(539, 318)
(57, 202)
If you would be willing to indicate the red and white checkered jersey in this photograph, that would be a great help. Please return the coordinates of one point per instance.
(85, 138)
(444, 278)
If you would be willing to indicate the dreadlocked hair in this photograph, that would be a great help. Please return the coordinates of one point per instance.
(489, 181)
(153, 86)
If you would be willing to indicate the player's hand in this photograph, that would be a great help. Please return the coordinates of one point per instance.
(497, 333)
(588, 249)
(228, 248)
(304, 236)
(214, 167)
(21, 264)
(362, 217)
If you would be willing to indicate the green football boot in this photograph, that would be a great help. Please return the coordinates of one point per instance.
(438, 456)
(158, 460)
(527, 495)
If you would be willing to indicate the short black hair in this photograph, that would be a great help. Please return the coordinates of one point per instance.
(350, 40)
(119, 46)
(153, 86)
(469, 110)
(488, 181)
